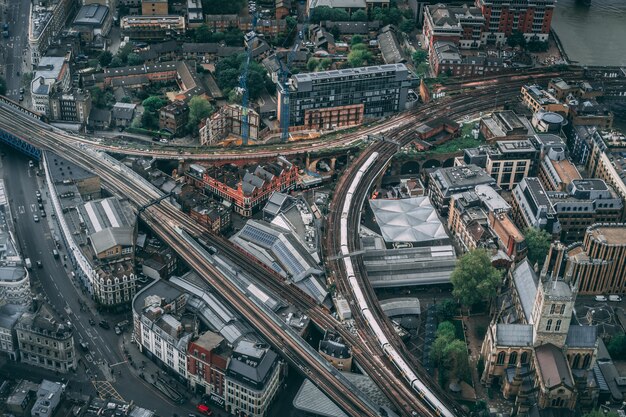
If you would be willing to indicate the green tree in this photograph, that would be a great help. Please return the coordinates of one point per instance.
(199, 108)
(222, 7)
(356, 39)
(105, 58)
(359, 57)
(203, 34)
(456, 359)
(617, 346)
(516, 39)
(538, 243)
(233, 37)
(418, 57)
(446, 309)
(3, 86)
(312, 64)
(387, 15)
(153, 104)
(124, 51)
(407, 25)
(600, 413)
(474, 279)
(323, 13)
(443, 337)
(325, 63)
(116, 62)
(150, 120)
(98, 97)
(134, 59)
(359, 16)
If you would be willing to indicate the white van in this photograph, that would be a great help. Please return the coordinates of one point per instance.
(600, 298)
(615, 298)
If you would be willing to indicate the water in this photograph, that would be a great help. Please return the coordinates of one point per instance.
(593, 35)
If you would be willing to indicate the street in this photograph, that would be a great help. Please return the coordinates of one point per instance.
(13, 49)
(104, 367)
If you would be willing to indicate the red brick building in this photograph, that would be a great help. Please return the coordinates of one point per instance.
(206, 364)
(503, 17)
(248, 188)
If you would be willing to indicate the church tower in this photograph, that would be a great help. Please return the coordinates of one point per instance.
(554, 303)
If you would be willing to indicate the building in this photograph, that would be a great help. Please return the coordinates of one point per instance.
(228, 120)
(536, 98)
(122, 114)
(532, 349)
(173, 117)
(599, 262)
(446, 58)
(530, 17)
(444, 182)
(335, 351)
(93, 20)
(461, 25)
(502, 124)
(382, 90)
(153, 28)
(556, 171)
(73, 106)
(195, 15)
(213, 215)
(249, 187)
(47, 399)
(252, 379)
(100, 233)
(548, 122)
(9, 316)
(154, 8)
(45, 341)
(207, 359)
(46, 21)
(507, 161)
(565, 214)
(390, 48)
(52, 75)
(282, 9)
(350, 6)
(14, 277)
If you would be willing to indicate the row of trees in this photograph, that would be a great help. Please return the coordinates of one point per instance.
(232, 37)
(449, 353)
(125, 56)
(387, 16)
(533, 45)
(229, 69)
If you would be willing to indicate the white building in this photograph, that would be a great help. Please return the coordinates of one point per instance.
(51, 75)
(252, 379)
(46, 21)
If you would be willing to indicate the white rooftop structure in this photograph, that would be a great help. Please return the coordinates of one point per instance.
(408, 220)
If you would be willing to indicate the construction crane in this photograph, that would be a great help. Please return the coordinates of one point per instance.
(283, 77)
(243, 84)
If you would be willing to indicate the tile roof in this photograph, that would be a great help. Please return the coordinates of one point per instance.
(553, 367)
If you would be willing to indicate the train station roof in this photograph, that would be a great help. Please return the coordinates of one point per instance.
(408, 220)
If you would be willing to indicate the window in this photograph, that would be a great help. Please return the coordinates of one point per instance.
(562, 308)
(552, 308)
(586, 361)
(558, 326)
(549, 325)
(524, 358)
(576, 361)
(513, 359)
(500, 360)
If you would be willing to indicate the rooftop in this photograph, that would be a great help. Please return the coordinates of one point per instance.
(611, 235)
(92, 15)
(461, 178)
(552, 365)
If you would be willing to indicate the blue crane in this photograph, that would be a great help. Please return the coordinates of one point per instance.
(283, 77)
(243, 84)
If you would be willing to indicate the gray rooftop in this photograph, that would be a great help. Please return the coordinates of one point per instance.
(514, 334)
(461, 178)
(401, 306)
(349, 72)
(582, 336)
(91, 15)
(526, 281)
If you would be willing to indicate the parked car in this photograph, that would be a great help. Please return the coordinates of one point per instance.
(615, 298)
(36, 218)
(600, 298)
(42, 213)
(117, 329)
(39, 264)
(92, 322)
(104, 324)
(31, 164)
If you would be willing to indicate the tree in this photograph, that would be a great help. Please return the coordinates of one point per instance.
(446, 309)
(418, 57)
(199, 108)
(228, 70)
(105, 58)
(516, 39)
(356, 39)
(222, 7)
(617, 346)
(359, 16)
(600, 413)
(325, 64)
(538, 243)
(116, 62)
(326, 13)
(98, 97)
(233, 37)
(358, 57)
(474, 279)
(407, 25)
(3, 86)
(153, 104)
(387, 15)
(124, 51)
(203, 34)
(443, 337)
(312, 64)
(134, 59)
(456, 360)
(149, 120)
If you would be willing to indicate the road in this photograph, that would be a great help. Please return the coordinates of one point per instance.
(12, 49)
(52, 280)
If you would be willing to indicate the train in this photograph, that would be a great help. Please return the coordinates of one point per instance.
(416, 384)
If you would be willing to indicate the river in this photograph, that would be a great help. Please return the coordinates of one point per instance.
(593, 35)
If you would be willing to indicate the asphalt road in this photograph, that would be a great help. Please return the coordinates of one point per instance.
(13, 50)
(53, 280)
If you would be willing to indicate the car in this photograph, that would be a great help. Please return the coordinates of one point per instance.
(31, 164)
(92, 322)
(41, 206)
(36, 218)
(600, 298)
(22, 90)
(39, 264)
(42, 213)
(39, 199)
(104, 324)
(21, 97)
(38, 193)
(615, 298)
(84, 346)
(118, 331)
(163, 140)
(204, 409)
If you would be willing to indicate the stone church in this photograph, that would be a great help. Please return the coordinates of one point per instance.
(534, 350)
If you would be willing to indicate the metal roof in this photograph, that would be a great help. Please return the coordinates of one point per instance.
(401, 306)
(408, 220)
(526, 282)
(581, 336)
(553, 367)
(514, 334)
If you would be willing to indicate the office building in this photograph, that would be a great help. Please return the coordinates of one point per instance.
(252, 379)
(207, 359)
(504, 123)
(531, 17)
(46, 21)
(73, 106)
(446, 58)
(532, 208)
(93, 21)
(52, 75)
(154, 8)
(461, 25)
(536, 99)
(381, 89)
(445, 182)
(45, 341)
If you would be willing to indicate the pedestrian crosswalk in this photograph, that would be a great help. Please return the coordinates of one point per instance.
(105, 390)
